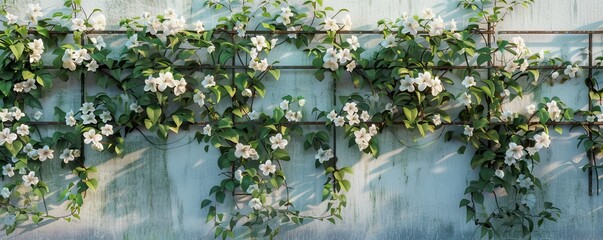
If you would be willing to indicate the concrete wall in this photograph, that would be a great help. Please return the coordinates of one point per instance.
(410, 192)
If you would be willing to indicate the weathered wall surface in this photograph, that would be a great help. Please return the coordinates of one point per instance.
(410, 192)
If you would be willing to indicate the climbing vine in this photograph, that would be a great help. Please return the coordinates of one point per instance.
(170, 76)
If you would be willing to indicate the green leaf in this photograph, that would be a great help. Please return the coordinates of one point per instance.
(483, 58)
(17, 50)
(154, 113)
(275, 73)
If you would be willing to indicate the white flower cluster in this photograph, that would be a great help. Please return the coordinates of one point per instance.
(324, 155)
(94, 138)
(290, 115)
(571, 71)
(334, 57)
(421, 83)
(260, 43)
(554, 110)
(332, 25)
(246, 151)
(72, 58)
(98, 22)
(25, 86)
(11, 114)
(69, 155)
(41, 154)
(171, 24)
(520, 60)
(165, 80)
(285, 16)
(435, 26)
(37, 49)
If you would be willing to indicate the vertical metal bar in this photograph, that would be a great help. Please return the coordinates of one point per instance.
(591, 159)
(82, 97)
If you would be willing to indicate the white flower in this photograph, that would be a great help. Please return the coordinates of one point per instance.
(246, 92)
(510, 160)
(238, 175)
(301, 102)
(68, 61)
(365, 116)
(469, 82)
(542, 140)
(292, 116)
(424, 80)
(284, 105)
(11, 19)
(208, 81)
(437, 120)
(524, 182)
(17, 113)
(207, 130)
(33, 154)
(332, 115)
(515, 151)
(6, 115)
(410, 26)
(252, 188)
(554, 111)
(259, 65)
(350, 108)
(351, 66)
(532, 150)
(353, 41)
(507, 116)
(199, 98)
(436, 86)
(267, 168)
(81, 55)
(87, 107)
(107, 130)
(436, 26)
(30, 179)
(555, 75)
(389, 41)
(362, 138)
(292, 35)
(428, 13)
(34, 14)
(331, 24)
(465, 98)
(519, 44)
(324, 155)
(7, 137)
(345, 55)
(78, 24)
(285, 15)
(391, 108)
(173, 26)
(245, 151)
(453, 26)
(259, 42)
(132, 42)
(5, 192)
(45, 153)
(353, 119)
(511, 67)
(8, 170)
(99, 42)
(211, 49)
(571, 71)
(199, 27)
(407, 84)
(524, 65)
(277, 141)
(92, 137)
(499, 173)
(339, 121)
(255, 203)
(105, 116)
(70, 120)
(179, 87)
(37, 115)
(347, 23)
(98, 22)
(67, 155)
(468, 131)
(373, 130)
(531, 109)
(23, 130)
(92, 66)
(89, 118)
(37, 47)
(331, 65)
(136, 108)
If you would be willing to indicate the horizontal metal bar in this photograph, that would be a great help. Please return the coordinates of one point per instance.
(306, 67)
(319, 123)
(570, 32)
